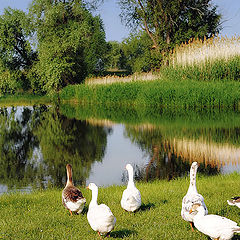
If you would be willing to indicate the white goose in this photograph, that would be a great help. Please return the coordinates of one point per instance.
(100, 216)
(131, 197)
(234, 202)
(72, 197)
(216, 227)
(192, 197)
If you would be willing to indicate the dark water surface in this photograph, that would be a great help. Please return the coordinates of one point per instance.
(37, 142)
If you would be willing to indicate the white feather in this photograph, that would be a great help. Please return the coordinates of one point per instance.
(131, 197)
(192, 197)
(100, 217)
(216, 227)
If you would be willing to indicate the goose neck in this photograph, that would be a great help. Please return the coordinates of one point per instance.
(192, 185)
(130, 175)
(94, 197)
(200, 214)
(69, 176)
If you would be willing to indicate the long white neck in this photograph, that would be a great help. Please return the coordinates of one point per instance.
(200, 213)
(130, 178)
(192, 185)
(94, 197)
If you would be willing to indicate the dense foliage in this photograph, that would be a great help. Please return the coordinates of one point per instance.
(168, 23)
(165, 24)
(69, 40)
(57, 43)
(16, 53)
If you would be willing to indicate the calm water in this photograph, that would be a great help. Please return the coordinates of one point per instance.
(37, 142)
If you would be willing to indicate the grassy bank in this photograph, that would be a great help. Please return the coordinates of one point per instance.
(159, 93)
(40, 215)
(24, 99)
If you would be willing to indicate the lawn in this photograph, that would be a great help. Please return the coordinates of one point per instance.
(40, 214)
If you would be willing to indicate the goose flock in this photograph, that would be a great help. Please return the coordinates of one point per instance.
(194, 210)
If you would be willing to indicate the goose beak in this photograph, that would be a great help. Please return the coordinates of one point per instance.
(190, 211)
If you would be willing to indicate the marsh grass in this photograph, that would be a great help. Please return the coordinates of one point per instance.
(40, 215)
(25, 99)
(159, 93)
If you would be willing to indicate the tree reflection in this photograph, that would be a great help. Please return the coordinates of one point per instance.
(163, 162)
(64, 140)
(37, 142)
(16, 144)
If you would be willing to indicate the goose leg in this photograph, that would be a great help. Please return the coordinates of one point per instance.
(191, 224)
(99, 235)
(70, 212)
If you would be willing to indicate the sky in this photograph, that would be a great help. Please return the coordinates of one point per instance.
(115, 30)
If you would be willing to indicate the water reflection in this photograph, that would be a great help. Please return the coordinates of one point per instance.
(164, 162)
(37, 142)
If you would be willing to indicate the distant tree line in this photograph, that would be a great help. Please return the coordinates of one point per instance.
(61, 42)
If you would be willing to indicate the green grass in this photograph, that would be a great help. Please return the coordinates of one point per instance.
(40, 215)
(187, 94)
(215, 70)
(23, 99)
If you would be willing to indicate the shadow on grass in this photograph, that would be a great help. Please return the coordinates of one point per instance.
(145, 207)
(84, 211)
(236, 237)
(122, 233)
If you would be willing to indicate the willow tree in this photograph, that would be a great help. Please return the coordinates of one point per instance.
(71, 43)
(168, 23)
(16, 53)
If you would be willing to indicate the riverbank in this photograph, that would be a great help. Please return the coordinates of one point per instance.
(187, 94)
(24, 99)
(40, 215)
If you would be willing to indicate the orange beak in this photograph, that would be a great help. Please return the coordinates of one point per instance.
(87, 187)
(190, 211)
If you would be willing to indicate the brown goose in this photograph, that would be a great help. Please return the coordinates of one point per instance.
(72, 197)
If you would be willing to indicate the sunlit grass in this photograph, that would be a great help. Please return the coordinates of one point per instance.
(40, 215)
(161, 93)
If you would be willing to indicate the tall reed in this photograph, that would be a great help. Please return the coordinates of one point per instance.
(207, 51)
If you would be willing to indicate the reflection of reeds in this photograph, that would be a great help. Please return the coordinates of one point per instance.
(212, 154)
(198, 51)
(100, 122)
(113, 79)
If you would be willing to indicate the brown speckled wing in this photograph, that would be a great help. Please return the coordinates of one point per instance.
(72, 194)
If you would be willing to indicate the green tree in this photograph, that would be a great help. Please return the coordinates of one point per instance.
(116, 57)
(138, 53)
(16, 53)
(168, 23)
(71, 43)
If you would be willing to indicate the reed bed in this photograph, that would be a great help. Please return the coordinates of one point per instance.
(116, 79)
(197, 51)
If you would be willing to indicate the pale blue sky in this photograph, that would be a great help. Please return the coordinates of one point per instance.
(109, 11)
